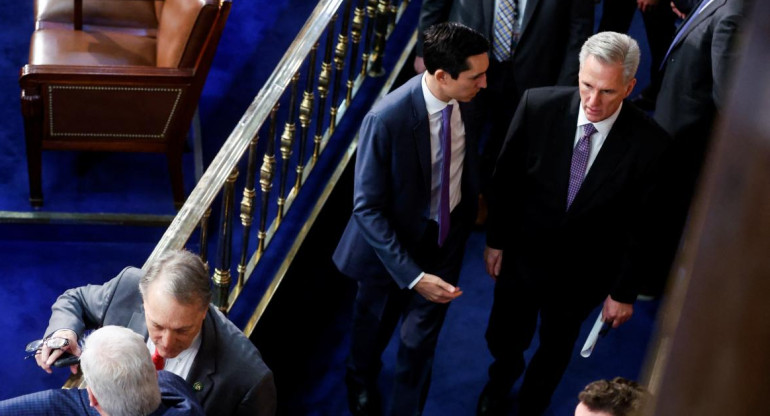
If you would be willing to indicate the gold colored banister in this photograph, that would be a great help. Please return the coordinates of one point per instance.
(215, 176)
(290, 97)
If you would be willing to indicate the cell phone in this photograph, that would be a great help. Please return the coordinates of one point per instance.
(66, 360)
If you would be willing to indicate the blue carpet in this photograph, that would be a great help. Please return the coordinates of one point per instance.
(41, 261)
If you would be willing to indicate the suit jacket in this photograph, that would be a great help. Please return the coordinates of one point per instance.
(177, 399)
(598, 245)
(232, 377)
(696, 71)
(552, 33)
(392, 189)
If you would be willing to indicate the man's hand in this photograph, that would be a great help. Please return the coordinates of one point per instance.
(677, 12)
(645, 5)
(47, 356)
(436, 290)
(493, 258)
(616, 312)
(419, 65)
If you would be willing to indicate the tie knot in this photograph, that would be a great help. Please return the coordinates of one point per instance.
(588, 130)
(158, 361)
(446, 112)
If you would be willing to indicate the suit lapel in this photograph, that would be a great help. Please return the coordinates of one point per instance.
(529, 10)
(614, 148)
(421, 132)
(204, 364)
(702, 16)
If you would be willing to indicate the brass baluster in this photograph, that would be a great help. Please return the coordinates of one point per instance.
(380, 31)
(392, 18)
(221, 278)
(306, 115)
(324, 80)
(355, 36)
(204, 240)
(340, 53)
(266, 175)
(371, 14)
(247, 209)
(287, 142)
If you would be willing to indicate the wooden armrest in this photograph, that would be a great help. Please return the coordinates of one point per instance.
(99, 75)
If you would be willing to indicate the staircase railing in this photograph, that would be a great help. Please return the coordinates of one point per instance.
(341, 44)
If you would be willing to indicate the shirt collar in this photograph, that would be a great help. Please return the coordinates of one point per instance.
(433, 104)
(604, 126)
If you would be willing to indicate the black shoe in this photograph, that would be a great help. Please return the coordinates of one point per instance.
(363, 401)
(490, 403)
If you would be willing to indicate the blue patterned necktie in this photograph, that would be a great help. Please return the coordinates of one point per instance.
(580, 156)
(446, 160)
(506, 29)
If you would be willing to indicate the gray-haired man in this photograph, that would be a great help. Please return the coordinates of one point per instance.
(169, 306)
(566, 219)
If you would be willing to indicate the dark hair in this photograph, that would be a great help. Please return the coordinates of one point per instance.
(618, 397)
(448, 45)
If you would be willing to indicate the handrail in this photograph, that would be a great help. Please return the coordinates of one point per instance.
(329, 46)
(224, 162)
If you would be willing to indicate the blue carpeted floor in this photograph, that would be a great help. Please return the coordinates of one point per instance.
(40, 261)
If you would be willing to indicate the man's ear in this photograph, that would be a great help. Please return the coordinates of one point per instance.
(441, 76)
(91, 398)
(630, 87)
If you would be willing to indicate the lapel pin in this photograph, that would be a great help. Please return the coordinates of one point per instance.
(197, 386)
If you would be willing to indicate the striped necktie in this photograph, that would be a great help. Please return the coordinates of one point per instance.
(506, 29)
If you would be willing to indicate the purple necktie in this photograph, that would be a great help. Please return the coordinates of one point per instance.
(446, 160)
(579, 164)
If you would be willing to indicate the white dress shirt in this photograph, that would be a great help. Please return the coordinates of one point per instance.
(434, 107)
(181, 364)
(597, 139)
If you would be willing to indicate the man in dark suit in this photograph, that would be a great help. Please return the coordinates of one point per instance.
(416, 187)
(121, 380)
(542, 52)
(169, 306)
(693, 90)
(567, 219)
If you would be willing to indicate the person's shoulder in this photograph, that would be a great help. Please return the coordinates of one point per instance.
(232, 342)
(644, 126)
(398, 99)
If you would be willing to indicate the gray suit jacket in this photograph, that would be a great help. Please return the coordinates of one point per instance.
(696, 70)
(228, 373)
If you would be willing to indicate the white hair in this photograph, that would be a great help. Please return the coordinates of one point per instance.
(118, 369)
(613, 48)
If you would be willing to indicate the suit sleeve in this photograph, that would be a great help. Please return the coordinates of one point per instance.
(723, 55)
(431, 12)
(82, 308)
(581, 27)
(507, 175)
(260, 400)
(373, 200)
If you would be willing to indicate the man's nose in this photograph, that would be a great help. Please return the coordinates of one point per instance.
(483, 81)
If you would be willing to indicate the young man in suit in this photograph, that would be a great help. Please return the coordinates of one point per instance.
(169, 306)
(567, 219)
(415, 193)
(541, 50)
(121, 380)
